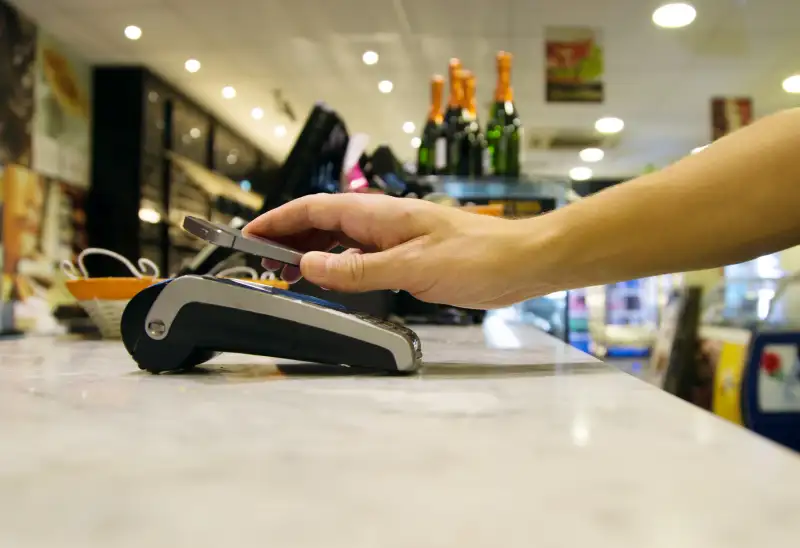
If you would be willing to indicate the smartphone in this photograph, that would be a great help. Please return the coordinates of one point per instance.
(231, 238)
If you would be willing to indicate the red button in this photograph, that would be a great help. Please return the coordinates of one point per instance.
(771, 362)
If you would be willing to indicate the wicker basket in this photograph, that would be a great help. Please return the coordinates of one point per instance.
(104, 299)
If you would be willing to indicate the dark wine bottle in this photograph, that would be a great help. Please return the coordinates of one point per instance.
(432, 152)
(504, 130)
(473, 143)
(454, 116)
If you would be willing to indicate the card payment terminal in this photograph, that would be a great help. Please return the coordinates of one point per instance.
(179, 323)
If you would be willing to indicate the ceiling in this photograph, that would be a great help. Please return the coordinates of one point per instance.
(658, 81)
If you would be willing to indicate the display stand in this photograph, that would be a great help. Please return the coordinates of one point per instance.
(733, 361)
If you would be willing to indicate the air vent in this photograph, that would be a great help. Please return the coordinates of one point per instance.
(566, 139)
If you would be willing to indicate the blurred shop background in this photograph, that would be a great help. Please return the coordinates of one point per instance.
(119, 117)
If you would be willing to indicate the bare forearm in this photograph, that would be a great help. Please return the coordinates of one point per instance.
(736, 200)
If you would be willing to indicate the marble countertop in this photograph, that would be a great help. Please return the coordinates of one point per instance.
(507, 438)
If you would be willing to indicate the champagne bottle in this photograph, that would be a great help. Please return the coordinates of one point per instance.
(473, 143)
(454, 116)
(504, 130)
(432, 152)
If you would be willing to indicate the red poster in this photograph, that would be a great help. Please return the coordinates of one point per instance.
(729, 114)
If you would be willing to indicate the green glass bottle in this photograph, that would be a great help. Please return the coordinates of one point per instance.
(473, 144)
(504, 131)
(432, 152)
(454, 121)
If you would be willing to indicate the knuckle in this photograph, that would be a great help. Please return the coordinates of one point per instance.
(355, 268)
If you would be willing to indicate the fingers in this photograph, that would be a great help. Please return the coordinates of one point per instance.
(291, 273)
(353, 271)
(367, 220)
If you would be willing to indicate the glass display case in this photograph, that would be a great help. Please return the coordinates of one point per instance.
(744, 296)
(623, 317)
(548, 313)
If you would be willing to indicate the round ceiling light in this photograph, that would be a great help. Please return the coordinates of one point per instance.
(149, 215)
(280, 131)
(674, 16)
(369, 57)
(192, 65)
(580, 173)
(416, 142)
(609, 125)
(257, 113)
(132, 32)
(792, 84)
(409, 127)
(385, 86)
(591, 154)
(229, 92)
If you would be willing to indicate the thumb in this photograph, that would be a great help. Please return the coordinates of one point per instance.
(350, 272)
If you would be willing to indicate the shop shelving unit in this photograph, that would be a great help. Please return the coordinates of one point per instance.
(141, 125)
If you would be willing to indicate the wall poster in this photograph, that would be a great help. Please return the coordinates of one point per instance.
(62, 119)
(574, 65)
(729, 114)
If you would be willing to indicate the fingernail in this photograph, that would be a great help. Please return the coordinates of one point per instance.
(271, 265)
(315, 264)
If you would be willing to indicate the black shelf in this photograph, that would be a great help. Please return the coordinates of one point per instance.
(499, 188)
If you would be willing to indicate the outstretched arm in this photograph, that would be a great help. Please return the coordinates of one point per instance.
(736, 200)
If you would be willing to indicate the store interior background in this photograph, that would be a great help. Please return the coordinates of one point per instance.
(83, 102)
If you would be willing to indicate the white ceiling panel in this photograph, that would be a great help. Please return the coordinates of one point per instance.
(660, 82)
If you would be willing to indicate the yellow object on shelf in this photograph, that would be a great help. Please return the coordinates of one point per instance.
(727, 400)
(493, 210)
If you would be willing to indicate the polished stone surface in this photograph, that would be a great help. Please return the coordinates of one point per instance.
(508, 438)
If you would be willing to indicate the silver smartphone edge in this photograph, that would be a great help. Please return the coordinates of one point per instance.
(221, 237)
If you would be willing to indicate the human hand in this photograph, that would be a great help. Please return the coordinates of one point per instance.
(438, 254)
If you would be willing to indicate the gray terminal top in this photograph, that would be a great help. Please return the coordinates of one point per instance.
(225, 236)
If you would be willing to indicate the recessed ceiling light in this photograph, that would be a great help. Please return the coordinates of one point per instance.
(229, 92)
(192, 65)
(792, 84)
(257, 113)
(232, 159)
(592, 154)
(409, 127)
(195, 133)
(674, 16)
(280, 131)
(699, 149)
(369, 57)
(580, 173)
(609, 125)
(416, 142)
(132, 32)
(149, 215)
(385, 86)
